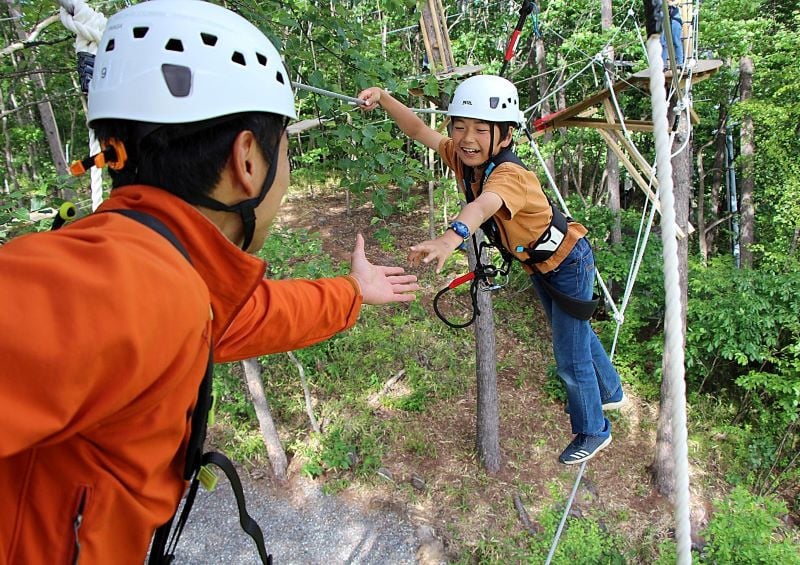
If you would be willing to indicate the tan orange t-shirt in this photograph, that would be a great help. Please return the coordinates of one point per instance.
(525, 213)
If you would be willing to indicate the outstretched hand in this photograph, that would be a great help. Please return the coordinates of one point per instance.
(438, 250)
(371, 97)
(379, 284)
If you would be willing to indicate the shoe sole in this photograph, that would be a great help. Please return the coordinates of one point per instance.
(616, 405)
(595, 452)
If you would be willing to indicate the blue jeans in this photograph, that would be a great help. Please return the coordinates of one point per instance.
(677, 32)
(581, 360)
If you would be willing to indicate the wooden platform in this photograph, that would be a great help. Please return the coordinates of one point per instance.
(580, 114)
(702, 70)
(610, 125)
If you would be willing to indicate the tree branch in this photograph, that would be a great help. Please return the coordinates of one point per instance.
(31, 38)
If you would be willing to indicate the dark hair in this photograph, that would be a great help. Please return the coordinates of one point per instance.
(504, 127)
(185, 159)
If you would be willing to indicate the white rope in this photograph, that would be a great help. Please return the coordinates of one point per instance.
(638, 255)
(84, 22)
(88, 26)
(673, 327)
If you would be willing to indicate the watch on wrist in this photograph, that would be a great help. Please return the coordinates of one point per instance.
(461, 229)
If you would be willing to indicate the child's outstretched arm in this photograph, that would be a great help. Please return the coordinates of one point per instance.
(472, 215)
(405, 119)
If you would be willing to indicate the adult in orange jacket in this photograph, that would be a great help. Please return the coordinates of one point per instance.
(106, 329)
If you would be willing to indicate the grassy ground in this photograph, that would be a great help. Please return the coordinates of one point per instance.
(412, 445)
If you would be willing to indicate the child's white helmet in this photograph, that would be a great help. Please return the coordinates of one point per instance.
(486, 97)
(181, 61)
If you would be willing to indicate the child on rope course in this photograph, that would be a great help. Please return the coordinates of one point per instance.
(107, 329)
(484, 113)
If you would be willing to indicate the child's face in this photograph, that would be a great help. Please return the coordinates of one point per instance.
(472, 138)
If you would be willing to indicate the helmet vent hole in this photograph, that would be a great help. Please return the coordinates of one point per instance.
(140, 32)
(110, 45)
(262, 60)
(174, 45)
(504, 106)
(209, 39)
(238, 58)
(279, 77)
(493, 101)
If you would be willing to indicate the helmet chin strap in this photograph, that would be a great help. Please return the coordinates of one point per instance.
(247, 208)
(491, 147)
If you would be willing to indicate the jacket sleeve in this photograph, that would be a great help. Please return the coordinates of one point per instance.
(290, 314)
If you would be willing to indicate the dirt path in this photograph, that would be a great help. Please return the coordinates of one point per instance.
(301, 525)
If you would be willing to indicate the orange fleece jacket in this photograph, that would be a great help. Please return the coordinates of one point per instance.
(105, 334)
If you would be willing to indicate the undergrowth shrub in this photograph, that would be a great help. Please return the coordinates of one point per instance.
(746, 529)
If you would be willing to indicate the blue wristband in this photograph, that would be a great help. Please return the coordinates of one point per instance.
(461, 229)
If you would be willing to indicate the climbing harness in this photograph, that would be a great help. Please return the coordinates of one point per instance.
(197, 466)
(538, 251)
(480, 279)
(66, 213)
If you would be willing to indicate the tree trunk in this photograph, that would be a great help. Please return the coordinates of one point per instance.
(663, 464)
(46, 114)
(717, 179)
(612, 162)
(488, 412)
(746, 155)
(700, 220)
(275, 452)
(8, 158)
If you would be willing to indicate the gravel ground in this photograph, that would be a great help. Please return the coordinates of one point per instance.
(302, 526)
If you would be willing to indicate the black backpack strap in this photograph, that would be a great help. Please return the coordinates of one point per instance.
(156, 225)
(248, 524)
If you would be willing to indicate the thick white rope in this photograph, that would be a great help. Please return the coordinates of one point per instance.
(88, 26)
(673, 327)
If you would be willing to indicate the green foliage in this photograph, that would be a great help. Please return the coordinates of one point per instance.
(746, 529)
(584, 541)
(295, 253)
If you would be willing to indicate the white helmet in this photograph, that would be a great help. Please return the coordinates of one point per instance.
(181, 61)
(486, 97)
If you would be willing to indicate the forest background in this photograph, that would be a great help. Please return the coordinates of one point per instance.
(740, 190)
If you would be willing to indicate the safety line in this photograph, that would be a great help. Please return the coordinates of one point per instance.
(673, 326)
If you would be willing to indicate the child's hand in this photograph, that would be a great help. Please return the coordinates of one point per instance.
(380, 285)
(371, 97)
(438, 249)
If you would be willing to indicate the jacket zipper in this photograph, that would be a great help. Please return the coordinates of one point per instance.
(78, 521)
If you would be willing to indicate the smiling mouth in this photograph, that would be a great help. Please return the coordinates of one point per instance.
(471, 151)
